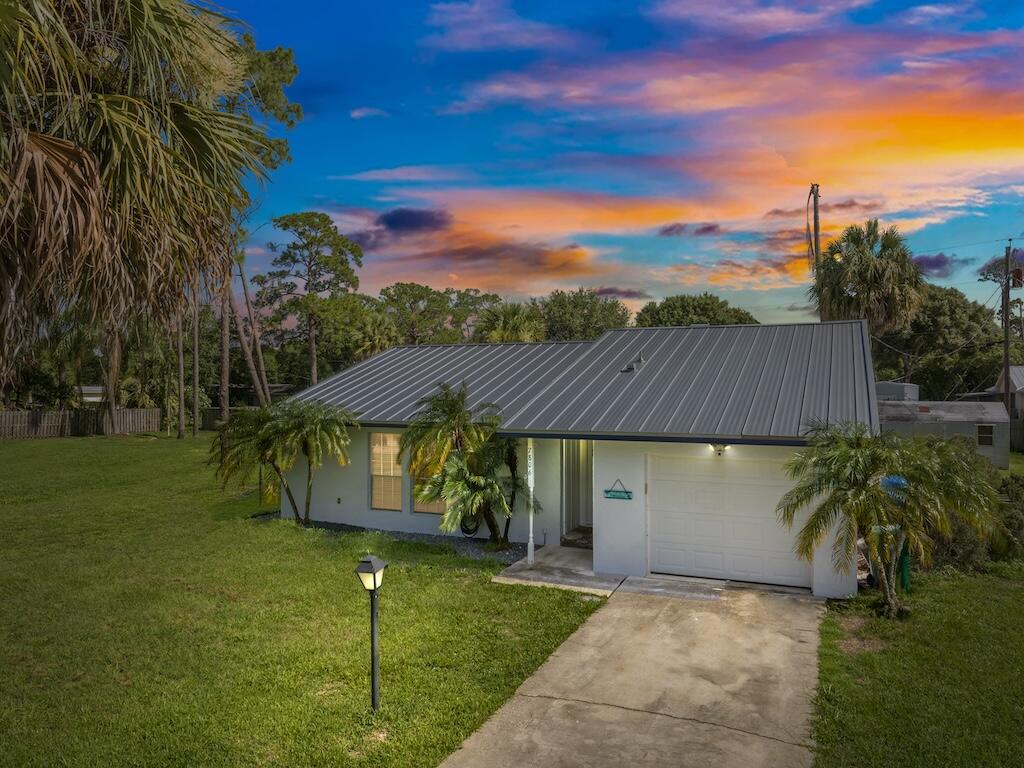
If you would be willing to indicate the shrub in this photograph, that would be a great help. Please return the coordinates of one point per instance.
(965, 550)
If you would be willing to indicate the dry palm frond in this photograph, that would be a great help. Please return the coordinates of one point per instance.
(120, 170)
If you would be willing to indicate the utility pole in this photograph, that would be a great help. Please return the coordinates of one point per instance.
(1007, 396)
(815, 193)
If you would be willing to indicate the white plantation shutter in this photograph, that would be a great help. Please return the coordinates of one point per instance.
(385, 471)
(433, 507)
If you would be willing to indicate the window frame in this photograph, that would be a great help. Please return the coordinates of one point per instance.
(415, 501)
(990, 437)
(372, 476)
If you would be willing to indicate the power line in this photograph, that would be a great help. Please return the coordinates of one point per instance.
(937, 248)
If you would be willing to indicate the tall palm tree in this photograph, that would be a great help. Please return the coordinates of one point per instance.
(315, 431)
(376, 333)
(868, 273)
(508, 322)
(119, 165)
(456, 448)
(888, 490)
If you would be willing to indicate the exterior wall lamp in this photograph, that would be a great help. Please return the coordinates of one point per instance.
(719, 448)
(371, 575)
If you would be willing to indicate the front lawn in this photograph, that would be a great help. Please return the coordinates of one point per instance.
(1016, 463)
(147, 620)
(941, 688)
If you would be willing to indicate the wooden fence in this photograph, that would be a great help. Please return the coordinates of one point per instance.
(77, 423)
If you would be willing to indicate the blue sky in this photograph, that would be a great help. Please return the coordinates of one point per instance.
(650, 148)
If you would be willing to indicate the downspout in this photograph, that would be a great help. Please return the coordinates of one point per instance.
(529, 497)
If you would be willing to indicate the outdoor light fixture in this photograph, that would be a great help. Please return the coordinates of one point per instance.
(719, 448)
(371, 575)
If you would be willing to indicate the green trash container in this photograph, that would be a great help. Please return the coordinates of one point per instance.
(904, 568)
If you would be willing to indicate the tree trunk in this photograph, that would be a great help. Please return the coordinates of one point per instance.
(288, 492)
(493, 529)
(257, 386)
(312, 352)
(309, 490)
(181, 377)
(225, 352)
(892, 602)
(257, 337)
(112, 380)
(195, 358)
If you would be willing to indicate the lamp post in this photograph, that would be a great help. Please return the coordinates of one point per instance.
(371, 575)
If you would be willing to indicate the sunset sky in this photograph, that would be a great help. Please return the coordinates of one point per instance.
(649, 148)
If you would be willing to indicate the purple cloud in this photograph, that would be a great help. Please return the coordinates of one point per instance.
(401, 221)
(940, 265)
(843, 206)
(615, 292)
(996, 264)
(678, 229)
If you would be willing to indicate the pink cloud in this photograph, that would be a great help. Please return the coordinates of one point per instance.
(754, 18)
(405, 173)
(361, 113)
(482, 25)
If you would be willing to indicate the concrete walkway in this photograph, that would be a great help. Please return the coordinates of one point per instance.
(724, 680)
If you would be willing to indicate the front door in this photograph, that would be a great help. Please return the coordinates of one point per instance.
(577, 484)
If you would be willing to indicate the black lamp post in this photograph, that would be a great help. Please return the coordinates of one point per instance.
(371, 574)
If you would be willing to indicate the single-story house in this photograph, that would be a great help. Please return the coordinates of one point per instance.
(985, 424)
(996, 391)
(668, 442)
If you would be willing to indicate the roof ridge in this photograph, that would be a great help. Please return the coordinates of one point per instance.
(731, 325)
(488, 344)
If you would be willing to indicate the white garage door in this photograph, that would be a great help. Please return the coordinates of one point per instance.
(715, 518)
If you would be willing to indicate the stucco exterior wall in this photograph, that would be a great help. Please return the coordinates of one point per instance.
(621, 526)
(342, 494)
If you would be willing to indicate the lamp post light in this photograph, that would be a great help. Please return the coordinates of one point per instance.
(371, 575)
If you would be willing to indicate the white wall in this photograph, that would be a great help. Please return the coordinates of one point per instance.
(620, 526)
(342, 494)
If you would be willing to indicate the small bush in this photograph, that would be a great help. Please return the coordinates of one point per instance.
(965, 550)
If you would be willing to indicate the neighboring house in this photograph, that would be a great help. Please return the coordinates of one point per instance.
(996, 391)
(986, 425)
(694, 423)
(89, 393)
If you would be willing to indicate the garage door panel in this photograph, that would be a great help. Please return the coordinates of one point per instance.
(716, 519)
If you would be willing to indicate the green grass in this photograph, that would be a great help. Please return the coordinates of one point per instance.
(941, 688)
(1016, 464)
(147, 620)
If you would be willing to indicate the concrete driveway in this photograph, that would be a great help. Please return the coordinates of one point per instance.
(722, 679)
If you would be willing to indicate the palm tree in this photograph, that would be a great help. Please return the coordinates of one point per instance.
(376, 333)
(120, 166)
(886, 490)
(313, 430)
(276, 436)
(868, 273)
(250, 439)
(456, 447)
(509, 322)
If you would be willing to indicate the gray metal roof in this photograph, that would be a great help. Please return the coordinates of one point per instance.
(740, 382)
(1016, 380)
(935, 411)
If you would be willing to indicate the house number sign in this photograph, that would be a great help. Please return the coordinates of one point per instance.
(617, 491)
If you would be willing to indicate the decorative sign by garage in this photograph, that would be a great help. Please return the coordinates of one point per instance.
(617, 491)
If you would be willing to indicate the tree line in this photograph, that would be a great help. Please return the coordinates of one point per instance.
(305, 319)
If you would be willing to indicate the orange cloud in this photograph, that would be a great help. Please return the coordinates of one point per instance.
(534, 213)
